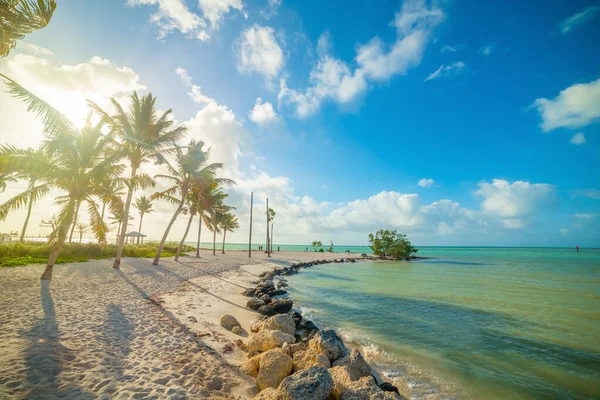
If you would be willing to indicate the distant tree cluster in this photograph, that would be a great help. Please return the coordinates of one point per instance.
(386, 243)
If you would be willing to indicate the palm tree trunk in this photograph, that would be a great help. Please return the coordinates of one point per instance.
(140, 228)
(103, 207)
(26, 219)
(80, 236)
(271, 237)
(215, 241)
(199, 232)
(123, 229)
(74, 221)
(164, 238)
(224, 234)
(187, 229)
(47, 275)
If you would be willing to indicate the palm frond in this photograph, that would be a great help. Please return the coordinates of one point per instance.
(21, 200)
(21, 17)
(96, 223)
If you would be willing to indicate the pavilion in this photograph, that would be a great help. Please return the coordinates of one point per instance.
(132, 235)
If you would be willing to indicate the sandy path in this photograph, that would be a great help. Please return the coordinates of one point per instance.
(93, 332)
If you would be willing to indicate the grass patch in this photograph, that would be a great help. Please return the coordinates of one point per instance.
(13, 254)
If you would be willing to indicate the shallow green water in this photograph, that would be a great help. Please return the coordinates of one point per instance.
(483, 323)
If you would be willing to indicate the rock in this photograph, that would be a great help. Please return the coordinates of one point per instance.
(250, 367)
(305, 359)
(267, 394)
(255, 325)
(237, 330)
(364, 388)
(296, 316)
(248, 292)
(286, 348)
(266, 275)
(265, 297)
(283, 322)
(273, 367)
(268, 339)
(252, 353)
(295, 347)
(268, 283)
(388, 387)
(255, 303)
(267, 310)
(282, 306)
(328, 343)
(314, 383)
(228, 322)
(277, 292)
(356, 365)
(281, 285)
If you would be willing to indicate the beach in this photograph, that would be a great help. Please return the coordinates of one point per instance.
(138, 332)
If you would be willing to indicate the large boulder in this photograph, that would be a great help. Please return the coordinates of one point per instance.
(364, 388)
(249, 292)
(328, 343)
(282, 322)
(269, 339)
(281, 306)
(255, 325)
(255, 303)
(250, 367)
(314, 383)
(356, 365)
(273, 367)
(267, 394)
(308, 358)
(267, 310)
(228, 322)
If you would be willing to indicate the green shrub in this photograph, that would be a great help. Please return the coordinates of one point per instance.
(392, 244)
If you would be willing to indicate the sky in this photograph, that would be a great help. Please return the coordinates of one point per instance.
(458, 122)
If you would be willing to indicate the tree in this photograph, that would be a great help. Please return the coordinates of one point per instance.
(4, 179)
(386, 243)
(21, 17)
(189, 167)
(81, 228)
(316, 244)
(140, 135)
(217, 216)
(74, 162)
(144, 206)
(228, 224)
(110, 194)
(116, 218)
(37, 187)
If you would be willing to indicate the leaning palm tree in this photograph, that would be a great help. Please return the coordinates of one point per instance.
(216, 217)
(189, 167)
(144, 206)
(140, 135)
(37, 187)
(228, 224)
(78, 167)
(203, 195)
(21, 17)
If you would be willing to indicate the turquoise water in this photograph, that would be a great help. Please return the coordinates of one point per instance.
(480, 323)
(284, 247)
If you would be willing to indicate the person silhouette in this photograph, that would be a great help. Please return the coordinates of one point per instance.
(577, 248)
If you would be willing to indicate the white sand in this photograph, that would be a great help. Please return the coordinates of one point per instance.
(93, 331)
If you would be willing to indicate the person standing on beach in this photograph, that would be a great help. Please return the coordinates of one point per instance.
(577, 248)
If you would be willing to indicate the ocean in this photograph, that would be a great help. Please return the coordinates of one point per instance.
(472, 323)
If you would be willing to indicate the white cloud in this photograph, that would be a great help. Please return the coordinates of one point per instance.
(590, 193)
(215, 10)
(271, 9)
(447, 70)
(258, 51)
(33, 49)
(334, 79)
(574, 107)
(425, 182)
(487, 49)
(449, 49)
(65, 87)
(577, 19)
(578, 138)
(564, 231)
(195, 93)
(263, 112)
(514, 203)
(586, 216)
(175, 15)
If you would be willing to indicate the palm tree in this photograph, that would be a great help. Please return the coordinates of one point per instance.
(116, 217)
(144, 206)
(111, 192)
(190, 167)
(36, 189)
(271, 216)
(140, 135)
(81, 228)
(74, 162)
(203, 195)
(228, 224)
(217, 217)
(21, 17)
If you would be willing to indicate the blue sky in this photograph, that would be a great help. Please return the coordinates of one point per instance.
(494, 105)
